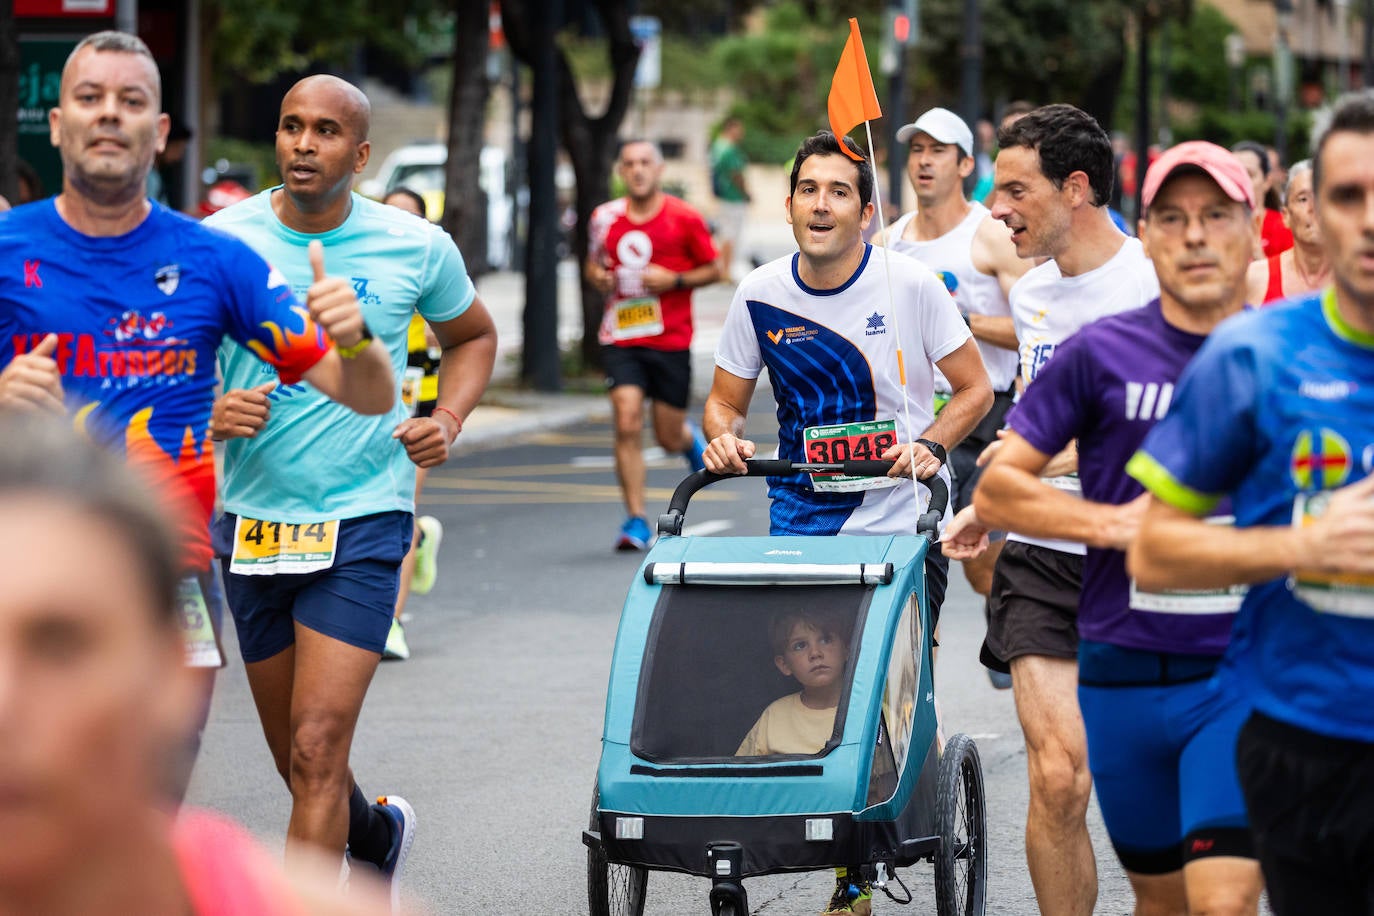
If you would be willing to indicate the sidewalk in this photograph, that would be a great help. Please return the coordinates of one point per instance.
(508, 410)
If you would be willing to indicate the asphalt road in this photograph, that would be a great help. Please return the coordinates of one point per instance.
(492, 728)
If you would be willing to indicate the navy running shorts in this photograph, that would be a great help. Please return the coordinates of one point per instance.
(1162, 749)
(352, 601)
(663, 375)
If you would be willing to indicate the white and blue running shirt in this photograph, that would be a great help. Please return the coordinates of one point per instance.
(832, 358)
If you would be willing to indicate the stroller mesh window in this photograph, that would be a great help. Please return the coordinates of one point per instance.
(899, 703)
(709, 667)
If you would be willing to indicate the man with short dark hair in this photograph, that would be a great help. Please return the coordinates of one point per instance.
(1276, 413)
(1054, 178)
(649, 250)
(825, 322)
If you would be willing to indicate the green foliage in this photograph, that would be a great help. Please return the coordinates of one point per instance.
(1226, 128)
(1040, 50)
(683, 67)
(256, 40)
(782, 75)
(1198, 71)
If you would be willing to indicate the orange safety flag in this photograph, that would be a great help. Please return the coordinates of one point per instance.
(853, 100)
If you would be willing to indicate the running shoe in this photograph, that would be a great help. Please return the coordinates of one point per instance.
(427, 555)
(401, 817)
(850, 899)
(396, 647)
(634, 534)
(696, 449)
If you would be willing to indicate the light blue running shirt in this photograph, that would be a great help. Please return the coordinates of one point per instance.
(316, 460)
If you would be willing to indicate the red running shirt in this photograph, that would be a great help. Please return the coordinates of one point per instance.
(1274, 235)
(675, 238)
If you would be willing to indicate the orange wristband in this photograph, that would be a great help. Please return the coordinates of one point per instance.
(456, 418)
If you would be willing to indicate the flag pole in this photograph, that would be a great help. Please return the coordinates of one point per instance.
(896, 321)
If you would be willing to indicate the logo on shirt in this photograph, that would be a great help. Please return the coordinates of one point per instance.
(797, 334)
(1148, 401)
(132, 325)
(167, 278)
(875, 325)
(1327, 391)
(1320, 460)
(31, 277)
(634, 249)
(950, 280)
(365, 297)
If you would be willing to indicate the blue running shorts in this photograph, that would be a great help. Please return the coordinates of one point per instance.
(1162, 751)
(352, 601)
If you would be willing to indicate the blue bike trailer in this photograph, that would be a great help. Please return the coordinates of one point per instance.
(693, 669)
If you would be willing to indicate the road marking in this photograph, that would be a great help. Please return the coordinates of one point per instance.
(701, 529)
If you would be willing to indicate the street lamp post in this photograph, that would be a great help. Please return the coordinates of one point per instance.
(1235, 59)
(1283, 75)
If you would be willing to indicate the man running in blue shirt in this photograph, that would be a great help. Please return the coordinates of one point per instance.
(112, 307)
(319, 504)
(1276, 412)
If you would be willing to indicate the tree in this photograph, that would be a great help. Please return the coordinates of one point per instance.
(1042, 50)
(256, 40)
(9, 101)
(589, 140)
(465, 207)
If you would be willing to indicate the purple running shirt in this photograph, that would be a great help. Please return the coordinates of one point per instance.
(1107, 386)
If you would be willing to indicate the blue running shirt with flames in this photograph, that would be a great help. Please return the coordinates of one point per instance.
(138, 318)
(831, 356)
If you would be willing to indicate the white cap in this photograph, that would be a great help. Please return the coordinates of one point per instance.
(944, 126)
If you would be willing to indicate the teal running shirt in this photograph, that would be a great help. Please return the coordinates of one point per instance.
(316, 460)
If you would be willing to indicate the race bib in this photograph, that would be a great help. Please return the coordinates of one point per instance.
(636, 318)
(1346, 594)
(1191, 601)
(202, 646)
(263, 548)
(1179, 601)
(850, 442)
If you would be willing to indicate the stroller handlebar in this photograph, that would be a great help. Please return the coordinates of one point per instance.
(928, 524)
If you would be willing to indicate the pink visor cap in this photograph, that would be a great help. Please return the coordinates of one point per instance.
(1198, 155)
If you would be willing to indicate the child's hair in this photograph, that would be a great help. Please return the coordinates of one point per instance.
(824, 620)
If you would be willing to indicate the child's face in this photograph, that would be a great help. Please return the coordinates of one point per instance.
(814, 658)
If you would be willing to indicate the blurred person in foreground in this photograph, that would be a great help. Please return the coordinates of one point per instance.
(1276, 412)
(95, 699)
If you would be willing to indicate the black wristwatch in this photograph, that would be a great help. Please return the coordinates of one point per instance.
(679, 282)
(936, 449)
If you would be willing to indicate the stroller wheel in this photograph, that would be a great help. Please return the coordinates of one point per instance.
(961, 865)
(612, 889)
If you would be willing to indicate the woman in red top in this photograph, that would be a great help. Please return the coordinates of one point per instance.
(1274, 237)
